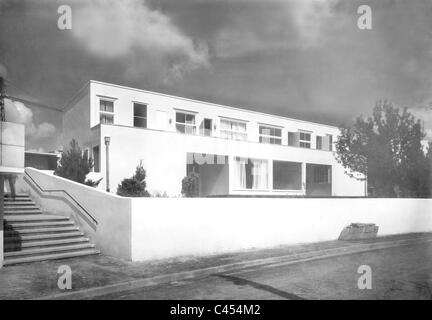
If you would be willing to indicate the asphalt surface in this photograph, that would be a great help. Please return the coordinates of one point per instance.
(397, 273)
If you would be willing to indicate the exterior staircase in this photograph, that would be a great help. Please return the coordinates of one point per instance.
(30, 235)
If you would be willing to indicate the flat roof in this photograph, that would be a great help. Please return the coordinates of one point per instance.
(194, 100)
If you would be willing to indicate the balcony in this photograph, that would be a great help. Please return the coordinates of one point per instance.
(11, 147)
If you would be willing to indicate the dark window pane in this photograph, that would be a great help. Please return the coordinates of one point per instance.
(190, 118)
(180, 117)
(140, 122)
(140, 110)
(106, 105)
(286, 175)
(207, 124)
(106, 119)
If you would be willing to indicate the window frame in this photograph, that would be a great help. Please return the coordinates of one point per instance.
(267, 180)
(305, 143)
(231, 132)
(270, 137)
(140, 117)
(185, 124)
(104, 112)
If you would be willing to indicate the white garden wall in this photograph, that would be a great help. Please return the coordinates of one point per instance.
(164, 228)
(152, 228)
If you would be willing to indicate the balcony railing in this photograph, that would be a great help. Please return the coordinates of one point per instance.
(11, 147)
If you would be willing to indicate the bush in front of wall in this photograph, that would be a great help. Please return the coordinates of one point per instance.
(135, 186)
(190, 185)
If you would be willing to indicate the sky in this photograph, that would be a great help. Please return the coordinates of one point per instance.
(304, 59)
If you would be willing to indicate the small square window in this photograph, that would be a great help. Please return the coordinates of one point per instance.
(140, 115)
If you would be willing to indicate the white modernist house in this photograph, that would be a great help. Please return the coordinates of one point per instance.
(234, 151)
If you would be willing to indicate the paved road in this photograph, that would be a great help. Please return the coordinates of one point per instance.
(397, 273)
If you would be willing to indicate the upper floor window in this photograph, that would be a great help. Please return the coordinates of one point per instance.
(319, 142)
(106, 111)
(270, 135)
(233, 129)
(305, 139)
(185, 123)
(140, 115)
(206, 127)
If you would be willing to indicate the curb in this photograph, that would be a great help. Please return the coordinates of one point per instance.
(231, 268)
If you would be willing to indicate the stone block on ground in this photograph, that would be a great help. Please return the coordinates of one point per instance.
(358, 231)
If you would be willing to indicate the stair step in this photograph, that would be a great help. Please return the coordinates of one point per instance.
(34, 217)
(24, 225)
(12, 212)
(43, 236)
(34, 251)
(10, 261)
(40, 230)
(23, 208)
(31, 235)
(44, 243)
(18, 195)
(19, 203)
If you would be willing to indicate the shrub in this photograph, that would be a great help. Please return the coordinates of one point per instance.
(190, 185)
(135, 186)
(74, 164)
(92, 183)
(159, 194)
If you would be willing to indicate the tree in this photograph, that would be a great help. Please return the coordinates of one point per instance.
(190, 185)
(387, 149)
(135, 186)
(74, 164)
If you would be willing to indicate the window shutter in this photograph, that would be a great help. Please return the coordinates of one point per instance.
(326, 143)
(297, 139)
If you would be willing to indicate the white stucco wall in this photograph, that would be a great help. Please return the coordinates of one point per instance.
(164, 158)
(163, 228)
(125, 97)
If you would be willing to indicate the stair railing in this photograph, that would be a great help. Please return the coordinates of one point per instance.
(61, 191)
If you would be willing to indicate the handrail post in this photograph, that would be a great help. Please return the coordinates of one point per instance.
(107, 142)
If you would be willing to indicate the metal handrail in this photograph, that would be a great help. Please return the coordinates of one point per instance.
(65, 192)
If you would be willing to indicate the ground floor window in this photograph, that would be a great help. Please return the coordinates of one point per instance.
(287, 175)
(251, 174)
(322, 174)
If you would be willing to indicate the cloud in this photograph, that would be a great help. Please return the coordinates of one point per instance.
(310, 18)
(113, 29)
(278, 26)
(18, 112)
